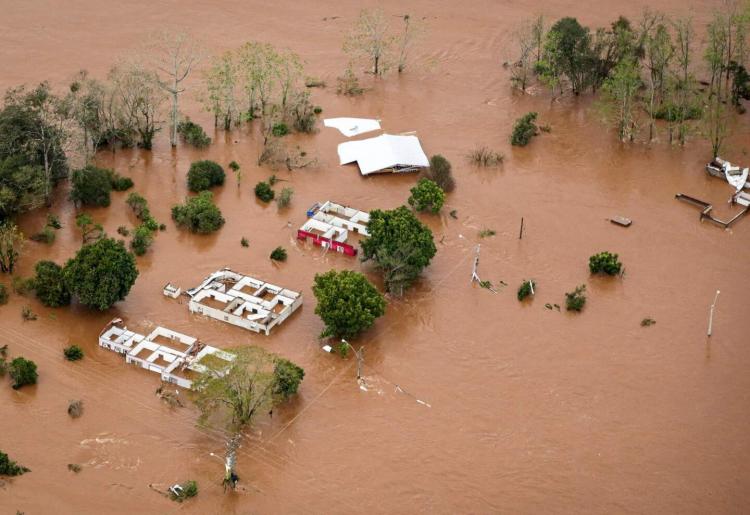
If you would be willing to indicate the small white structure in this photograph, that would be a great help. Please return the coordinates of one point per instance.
(383, 153)
(352, 126)
(329, 224)
(243, 301)
(168, 353)
(171, 290)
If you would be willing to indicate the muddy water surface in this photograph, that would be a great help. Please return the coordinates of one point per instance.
(523, 409)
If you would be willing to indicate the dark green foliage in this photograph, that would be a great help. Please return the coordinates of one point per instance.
(317, 110)
(287, 378)
(427, 196)
(49, 285)
(523, 130)
(199, 214)
(347, 303)
(22, 186)
(280, 129)
(143, 237)
(576, 299)
(244, 242)
(101, 273)
(204, 175)
(46, 235)
(568, 50)
(264, 192)
(22, 371)
(672, 112)
(740, 83)
(187, 490)
(278, 254)
(604, 262)
(525, 289)
(120, 183)
(3, 294)
(400, 245)
(91, 186)
(440, 172)
(73, 353)
(9, 467)
(234, 166)
(193, 134)
(53, 221)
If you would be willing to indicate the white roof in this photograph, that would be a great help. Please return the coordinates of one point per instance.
(352, 126)
(381, 152)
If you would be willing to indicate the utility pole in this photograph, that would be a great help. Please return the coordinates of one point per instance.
(474, 273)
(360, 355)
(520, 233)
(711, 314)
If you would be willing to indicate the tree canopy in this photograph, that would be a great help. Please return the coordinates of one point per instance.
(427, 196)
(199, 214)
(91, 186)
(347, 303)
(49, 284)
(22, 371)
(400, 245)
(204, 175)
(101, 273)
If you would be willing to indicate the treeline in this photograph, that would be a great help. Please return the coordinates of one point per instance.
(644, 71)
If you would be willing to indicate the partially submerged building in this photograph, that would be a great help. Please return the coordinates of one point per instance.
(384, 153)
(176, 357)
(329, 225)
(243, 301)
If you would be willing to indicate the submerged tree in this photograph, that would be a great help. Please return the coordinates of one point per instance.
(231, 397)
(370, 39)
(413, 30)
(141, 97)
(222, 83)
(400, 246)
(174, 55)
(11, 244)
(620, 95)
(347, 303)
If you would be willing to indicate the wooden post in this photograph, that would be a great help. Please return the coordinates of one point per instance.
(711, 314)
(520, 233)
(360, 360)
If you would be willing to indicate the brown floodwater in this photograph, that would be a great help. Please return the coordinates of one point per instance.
(522, 409)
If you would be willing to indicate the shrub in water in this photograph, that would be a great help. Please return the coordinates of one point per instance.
(75, 409)
(9, 467)
(49, 285)
(120, 183)
(46, 235)
(193, 133)
(199, 214)
(280, 129)
(576, 299)
(605, 262)
(524, 130)
(525, 289)
(285, 197)
(204, 175)
(244, 242)
(279, 254)
(22, 371)
(427, 196)
(73, 353)
(91, 186)
(264, 192)
(185, 491)
(440, 173)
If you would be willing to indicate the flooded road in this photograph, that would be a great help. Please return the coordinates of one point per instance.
(523, 409)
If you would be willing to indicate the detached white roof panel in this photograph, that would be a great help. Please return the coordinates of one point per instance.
(352, 126)
(382, 152)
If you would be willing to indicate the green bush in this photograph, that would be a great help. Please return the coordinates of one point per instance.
(199, 214)
(576, 299)
(234, 166)
(525, 289)
(193, 134)
(440, 172)
(347, 303)
(287, 377)
(427, 196)
(143, 237)
(264, 192)
(22, 371)
(9, 467)
(73, 353)
(604, 262)
(3, 294)
(523, 130)
(279, 254)
(244, 242)
(120, 183)
(204, 175)
(49, 284)
(91, 186)
(280, 129)
(187, 490)
(137, 203)
(101, 273)
(317, 110)
(671, 112)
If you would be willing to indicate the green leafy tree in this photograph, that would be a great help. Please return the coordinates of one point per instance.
(400, 246)
(347, 303)
(143, 237)
(193, 134)
(523, 130)
(576, 299)
(199, 214)
(264, 192)
(49, 284)
(440, 172)
(11, 245)
(279, 254)
(605, 262)
(9, 467)
(231, 398)
(73, 353)
(427, 196)
(567, 53)
(22, 186)
(23, 372)
(101, 273)
(91, 186)
(204, 175)
(620, 95)
(90, 231)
